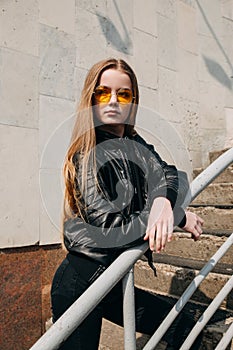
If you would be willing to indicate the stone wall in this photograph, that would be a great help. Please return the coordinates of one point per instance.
(182, 53)
(26, 275)
(180, 50)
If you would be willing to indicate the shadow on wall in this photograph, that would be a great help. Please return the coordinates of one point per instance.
(214, 68)
(218, 72)
(112, 34)
(124, 44)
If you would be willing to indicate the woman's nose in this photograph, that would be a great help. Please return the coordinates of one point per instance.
(113, 98)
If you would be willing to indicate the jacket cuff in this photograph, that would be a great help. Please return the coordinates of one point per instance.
(171, 196)
(179, 217)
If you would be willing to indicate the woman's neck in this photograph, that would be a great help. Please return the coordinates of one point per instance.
(116, 129)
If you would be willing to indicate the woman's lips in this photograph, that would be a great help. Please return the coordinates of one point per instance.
(112, 112)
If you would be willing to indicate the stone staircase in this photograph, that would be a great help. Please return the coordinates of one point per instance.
(183, 259)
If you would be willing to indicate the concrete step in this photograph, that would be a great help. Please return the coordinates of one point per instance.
(213, 155)
(225, 177)
(181, 261)
(112, 336)
(216, 194)
(184, 247)
(213, 333)
(173, 280)
(215, 219)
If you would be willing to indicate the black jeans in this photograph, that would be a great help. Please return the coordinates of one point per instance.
(72, 279)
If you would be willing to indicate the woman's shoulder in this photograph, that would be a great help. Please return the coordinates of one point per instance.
(138, 138)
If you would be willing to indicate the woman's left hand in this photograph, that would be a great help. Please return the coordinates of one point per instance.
(161, 222)
(193, 225)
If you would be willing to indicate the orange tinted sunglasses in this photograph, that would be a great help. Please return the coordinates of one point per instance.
(103, 94)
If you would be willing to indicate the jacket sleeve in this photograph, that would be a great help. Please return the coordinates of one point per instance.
(169, 187)
(175, 187)
(183, 193)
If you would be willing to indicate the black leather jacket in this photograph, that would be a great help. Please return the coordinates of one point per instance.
(130, 176)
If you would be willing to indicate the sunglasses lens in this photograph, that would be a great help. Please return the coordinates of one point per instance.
(124, 96)
(102, 94)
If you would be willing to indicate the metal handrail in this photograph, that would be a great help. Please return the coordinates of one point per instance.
(157, 336)
(80, 309)
(208, 175)
(225, 341)
(205, 317)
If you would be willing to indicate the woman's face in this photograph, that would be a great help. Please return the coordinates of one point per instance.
(112, 115)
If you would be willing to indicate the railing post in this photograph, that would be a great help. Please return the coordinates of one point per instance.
(226, 339)
(129, 311)
(157, 336)
(205, 317)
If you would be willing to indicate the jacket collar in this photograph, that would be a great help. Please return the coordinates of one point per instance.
(102, 135)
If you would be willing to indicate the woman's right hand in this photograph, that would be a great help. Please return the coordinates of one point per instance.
(160, 224)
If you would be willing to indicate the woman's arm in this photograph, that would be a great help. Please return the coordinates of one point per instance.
(170, 186)
(166, 210)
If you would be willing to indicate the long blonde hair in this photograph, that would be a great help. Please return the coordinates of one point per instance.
(83, 140)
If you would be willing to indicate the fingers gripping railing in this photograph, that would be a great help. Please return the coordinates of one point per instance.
(122, 266)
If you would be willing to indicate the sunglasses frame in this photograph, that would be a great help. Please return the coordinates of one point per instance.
(110, 94)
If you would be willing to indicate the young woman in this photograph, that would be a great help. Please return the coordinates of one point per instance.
(118, 193)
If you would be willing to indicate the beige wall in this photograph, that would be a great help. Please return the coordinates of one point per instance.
(181, 51)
